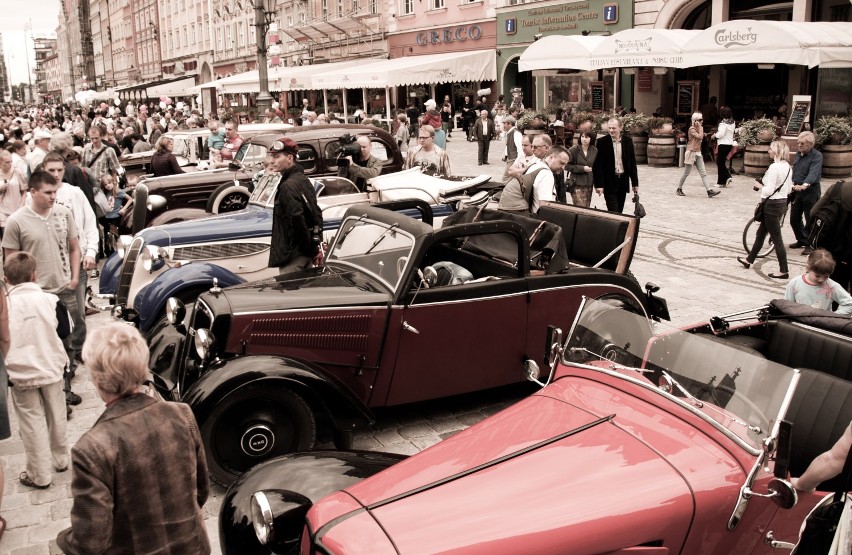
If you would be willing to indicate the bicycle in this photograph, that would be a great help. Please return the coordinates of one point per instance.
(749, 235)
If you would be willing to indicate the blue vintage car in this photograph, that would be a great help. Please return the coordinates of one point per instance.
(182, 259)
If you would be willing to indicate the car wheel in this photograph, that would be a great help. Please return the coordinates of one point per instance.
(253, 424)
(228, 197)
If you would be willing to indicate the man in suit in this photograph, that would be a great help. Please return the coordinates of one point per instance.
(483, 131)
(615, 167)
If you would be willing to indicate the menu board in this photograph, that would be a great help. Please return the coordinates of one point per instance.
(645, 79)
(687, 98)
(598, 97)
(798, 115)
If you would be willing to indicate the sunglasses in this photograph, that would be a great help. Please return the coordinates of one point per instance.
(426, 137)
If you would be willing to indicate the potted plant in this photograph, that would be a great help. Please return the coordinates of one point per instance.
(579, 117)
(755, 131)
(753, 135)
(659, 125)
(834, 138)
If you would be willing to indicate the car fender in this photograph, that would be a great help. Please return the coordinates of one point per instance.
(293, 483)
(108, 281)
(320, 389)
(177, 215)
(151, 300)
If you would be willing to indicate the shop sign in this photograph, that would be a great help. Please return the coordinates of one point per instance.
(449, 35)
(521, 25)
(727, 39)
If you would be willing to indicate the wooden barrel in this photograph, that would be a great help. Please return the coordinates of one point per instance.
(836, 161)
(661, 151)
(756, 159)
(640, 146)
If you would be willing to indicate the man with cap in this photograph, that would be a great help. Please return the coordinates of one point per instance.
(41, 139)
(296, 217)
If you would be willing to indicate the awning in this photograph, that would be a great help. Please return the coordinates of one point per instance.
(176, 87)
(748, 41)
(451, 67)
(290, 78)
(320, 30)
(741, 41)
(550, 53)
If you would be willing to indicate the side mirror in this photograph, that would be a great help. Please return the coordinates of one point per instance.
(552, 345)
(430, 276)
(532, 372)
(782, 493)
(782, 451)
(234, 166)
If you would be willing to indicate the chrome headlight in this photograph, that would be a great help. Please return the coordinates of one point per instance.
(123, 245)
(155, 202)
(204, 342)
(153, 257)
(261, 517)
(175, 311)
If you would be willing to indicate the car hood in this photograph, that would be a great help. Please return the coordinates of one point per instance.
(544, 467)
(307, 289)
(251, 222)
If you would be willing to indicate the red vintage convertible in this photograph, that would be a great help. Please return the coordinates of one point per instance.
(644, 439)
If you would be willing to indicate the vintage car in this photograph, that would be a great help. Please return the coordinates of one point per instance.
(643, 439)
(191, 148)
(174, 198)
(401, 312)
(234, 247)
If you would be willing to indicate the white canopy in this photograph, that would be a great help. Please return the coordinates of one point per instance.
(642, 48)
(560, 51)
(741, 41)
(747, 41)
(290, 78)
(451, 67)
(179, 87)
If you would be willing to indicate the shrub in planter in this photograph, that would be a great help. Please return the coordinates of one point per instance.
(833, 130)
(755, 131)
(659, 125)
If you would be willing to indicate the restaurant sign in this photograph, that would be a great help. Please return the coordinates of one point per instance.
(448, 35)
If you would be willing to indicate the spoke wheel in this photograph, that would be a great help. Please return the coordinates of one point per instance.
(749, 234)
(254, 424)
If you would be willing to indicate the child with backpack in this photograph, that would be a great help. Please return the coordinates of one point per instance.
(815, 289)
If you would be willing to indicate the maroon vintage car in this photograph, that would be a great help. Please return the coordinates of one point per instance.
(644, 439)
(402, 312)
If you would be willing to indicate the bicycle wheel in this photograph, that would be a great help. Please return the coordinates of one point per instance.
(748, 239)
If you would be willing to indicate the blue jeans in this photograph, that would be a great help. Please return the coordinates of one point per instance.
(702, 171)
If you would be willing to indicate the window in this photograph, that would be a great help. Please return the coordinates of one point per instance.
(242, 35)
(219, 42)
(437, 4)
(374, 6)
(407, 7)
(339, 8)
(325, 9)
(355, 6)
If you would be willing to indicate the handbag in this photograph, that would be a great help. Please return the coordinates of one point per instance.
(101, 203)
(570, 183)
(822, 523)
(638, 209)
(759, 210)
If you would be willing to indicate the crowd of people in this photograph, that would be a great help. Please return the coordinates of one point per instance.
(61, 184)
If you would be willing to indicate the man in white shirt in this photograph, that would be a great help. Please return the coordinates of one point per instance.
(41, 139)
(514, 142)
(526, 156)
(86, 223)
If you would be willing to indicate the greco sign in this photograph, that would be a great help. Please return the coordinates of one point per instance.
(449, 35)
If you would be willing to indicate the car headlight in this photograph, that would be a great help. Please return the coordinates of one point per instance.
(123, 245)
(204, 341)
(155, 202)
(153, 257)
(175, 311)
(261, 517)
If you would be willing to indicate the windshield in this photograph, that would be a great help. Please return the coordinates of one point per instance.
(734, 388)
(251, 155)
(377, 248)
(181, 147)
(264, 189)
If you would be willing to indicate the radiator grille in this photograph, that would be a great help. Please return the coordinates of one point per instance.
(128, 266)
(212, 252)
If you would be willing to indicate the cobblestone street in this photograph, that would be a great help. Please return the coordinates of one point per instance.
(687, 245)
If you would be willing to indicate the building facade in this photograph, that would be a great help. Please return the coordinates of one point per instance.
(52, 78)
(186, 49)
(74, 41)
(148, 32)
(45, 47)
(4, 74)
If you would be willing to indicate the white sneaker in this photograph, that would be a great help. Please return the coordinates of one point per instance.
(719, 186)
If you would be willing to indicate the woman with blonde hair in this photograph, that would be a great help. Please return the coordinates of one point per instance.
(163, 162)
(139, 475)
(694, 157)
(776, 186)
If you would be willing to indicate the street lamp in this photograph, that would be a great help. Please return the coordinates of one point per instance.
(264, 15)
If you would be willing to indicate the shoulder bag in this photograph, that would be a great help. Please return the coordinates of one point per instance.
(96, 156)
(821, 524)
(761, 206)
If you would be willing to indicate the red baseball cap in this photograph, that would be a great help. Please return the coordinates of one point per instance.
(285, 145)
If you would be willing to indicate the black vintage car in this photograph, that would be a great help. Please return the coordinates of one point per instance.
(187, 196)
(402, 312)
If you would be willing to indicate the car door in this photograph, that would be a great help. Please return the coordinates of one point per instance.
(458, 338)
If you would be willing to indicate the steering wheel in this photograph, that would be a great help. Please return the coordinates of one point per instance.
(740, 398)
